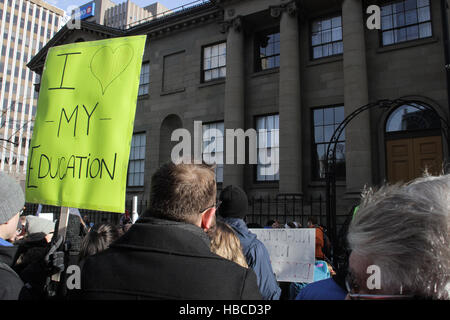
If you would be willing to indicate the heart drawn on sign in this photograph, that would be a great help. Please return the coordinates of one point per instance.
(108, 64)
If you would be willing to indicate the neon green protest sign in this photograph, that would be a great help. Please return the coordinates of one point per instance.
(79, 152)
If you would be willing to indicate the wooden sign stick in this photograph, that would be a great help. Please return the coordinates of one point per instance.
(62, 230)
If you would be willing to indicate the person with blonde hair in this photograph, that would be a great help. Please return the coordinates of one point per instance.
(226, 244)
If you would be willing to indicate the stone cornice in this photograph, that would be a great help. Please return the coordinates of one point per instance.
(235, 23)
(37, 62)
(289, 7)
(179, 21)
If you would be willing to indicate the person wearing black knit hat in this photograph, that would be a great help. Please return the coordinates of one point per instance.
(233, 209)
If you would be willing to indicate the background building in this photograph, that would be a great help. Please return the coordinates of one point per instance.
(121, 16)
(25, 27)
(293, 70)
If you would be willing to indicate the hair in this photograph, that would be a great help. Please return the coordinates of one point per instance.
(226, 244)
(313, 220)
(98, 239)
(180, 192)
(404, 230)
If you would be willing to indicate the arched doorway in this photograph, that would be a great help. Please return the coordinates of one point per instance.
(413, 140)
(170, 124)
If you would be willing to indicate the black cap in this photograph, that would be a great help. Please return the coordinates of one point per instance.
(234, 203)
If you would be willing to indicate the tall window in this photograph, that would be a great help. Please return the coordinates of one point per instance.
(326, 120)
(268, 165)
(214, 62)
(137, 160)
(405, 20)
(326, 37)
(144, 79)
(213, 134)
(268, 46)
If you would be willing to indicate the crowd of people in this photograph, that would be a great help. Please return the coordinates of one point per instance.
(190, 245)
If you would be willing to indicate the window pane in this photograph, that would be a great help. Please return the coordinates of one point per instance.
(386, 22)
(328, 130)
(425, 30)
(207, 75)
(223, 49)
(398, 7)
(410, 4)
(222, 61)
(388, 38)
(329, 116)
(318, 134)
(326, 36)
(338, 47)
(131, 179)
(399, 20)
(423, 3)
(337, 34)
(400, 35)
(215, 51)
(336, 22)
(316, 39)
(316, 26)
(339, 115)
(318, 117)
(424, 14)
(207, 52)
(215, 73)
(327, 50)
(317, 52)
(411, 17)
(207, 64)
(214, 62)
(412, 32)
(326, 24)
(386, 10)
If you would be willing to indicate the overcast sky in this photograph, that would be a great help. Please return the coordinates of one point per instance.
(170, 4)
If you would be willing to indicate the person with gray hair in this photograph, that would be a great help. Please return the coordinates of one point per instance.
(400, 242)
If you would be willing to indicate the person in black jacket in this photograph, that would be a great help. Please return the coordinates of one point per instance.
(12, 201)
(166, 254)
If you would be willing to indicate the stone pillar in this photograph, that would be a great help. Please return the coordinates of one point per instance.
(234, 106)
(358, 143)
(289, 100)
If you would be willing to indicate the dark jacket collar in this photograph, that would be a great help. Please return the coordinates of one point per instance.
(8, 255)
(153, 234)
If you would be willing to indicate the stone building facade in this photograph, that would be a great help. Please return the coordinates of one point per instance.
(293, 70)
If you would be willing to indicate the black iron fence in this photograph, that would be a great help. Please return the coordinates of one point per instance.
(283, 208)
(286, 208)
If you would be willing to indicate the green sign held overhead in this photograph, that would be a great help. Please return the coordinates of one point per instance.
(79, 152)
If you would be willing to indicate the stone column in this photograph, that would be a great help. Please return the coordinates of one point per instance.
(289, 100)
(234, 106)
(357, 133)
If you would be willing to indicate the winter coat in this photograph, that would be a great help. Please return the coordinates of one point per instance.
(161, 259)
(257, 258)
(10, 283)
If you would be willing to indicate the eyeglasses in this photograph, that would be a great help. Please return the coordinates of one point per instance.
(351, 285)
(217, 205)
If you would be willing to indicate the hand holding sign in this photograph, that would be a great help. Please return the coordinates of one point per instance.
(84, 124)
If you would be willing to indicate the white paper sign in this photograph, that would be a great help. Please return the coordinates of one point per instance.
(292, 252)
(46, 216)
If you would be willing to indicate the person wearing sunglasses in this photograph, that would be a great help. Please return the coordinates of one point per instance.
(400, 242)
